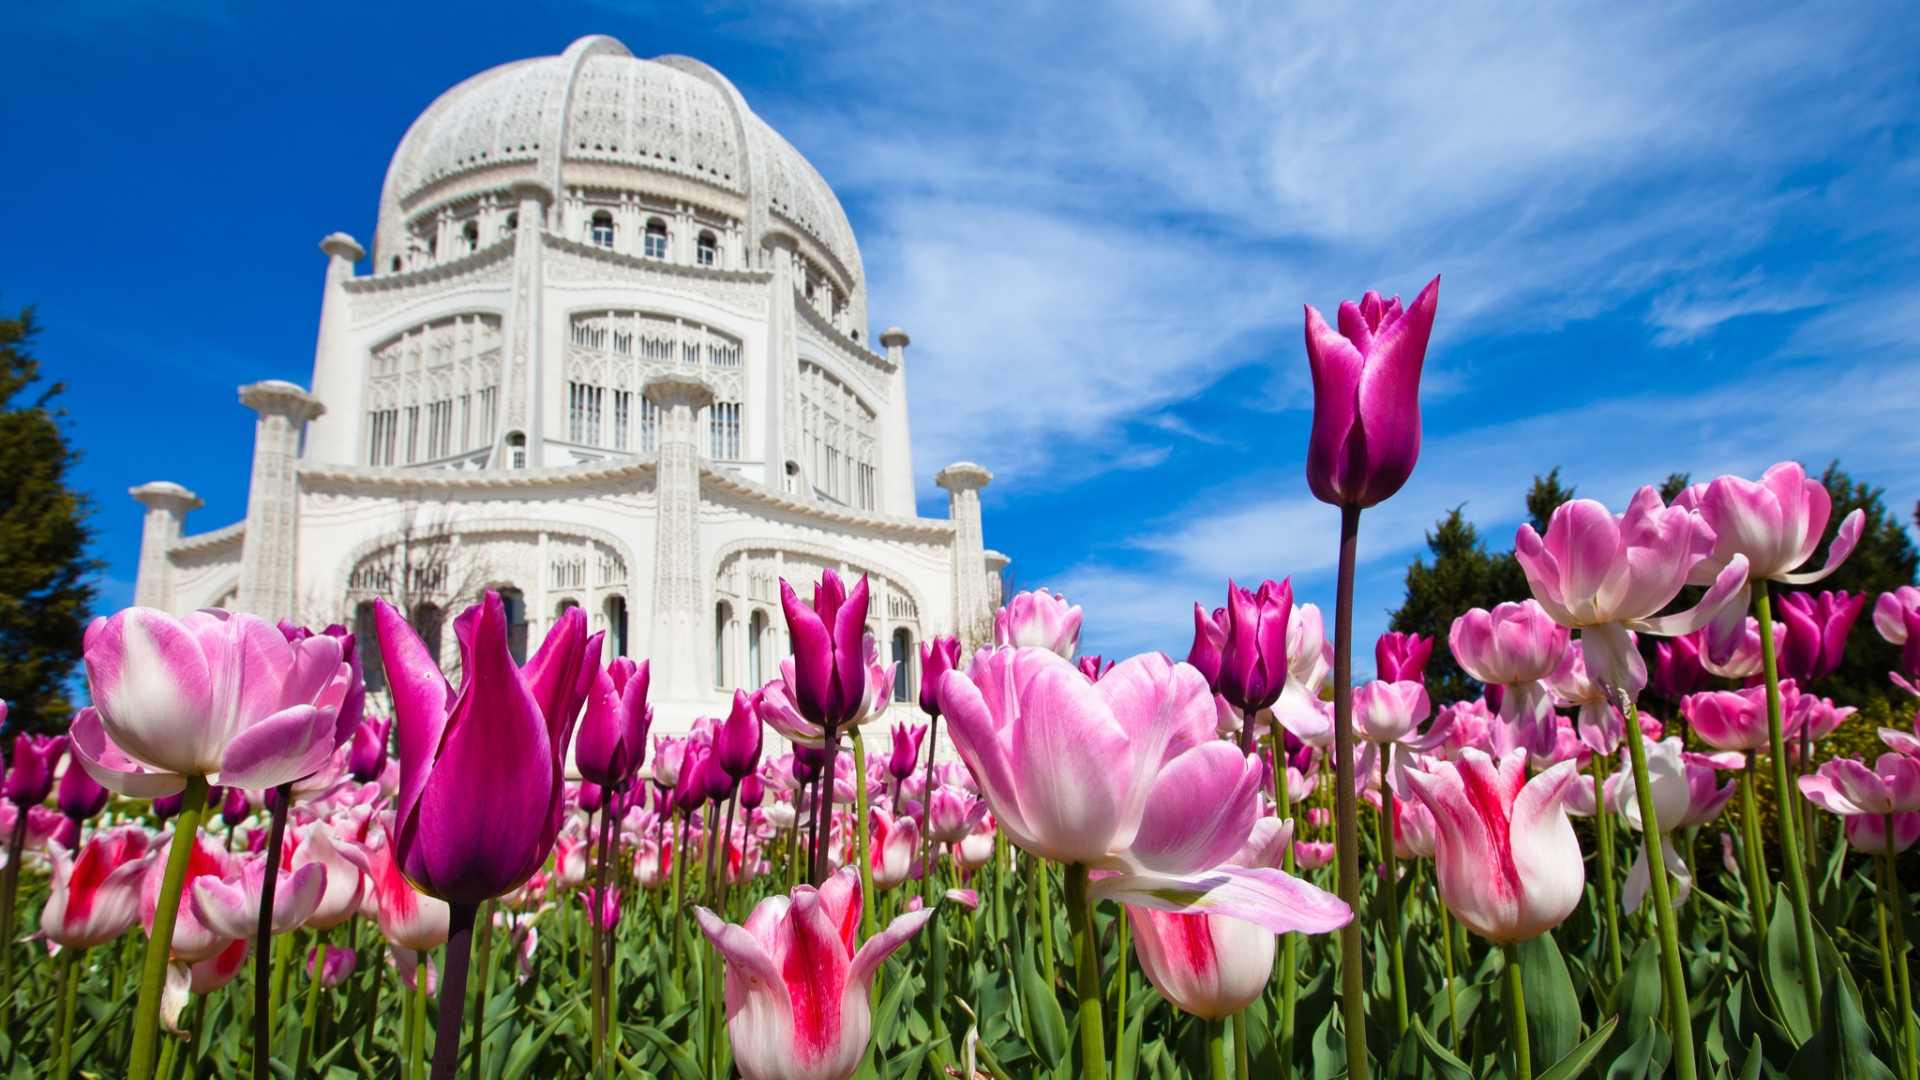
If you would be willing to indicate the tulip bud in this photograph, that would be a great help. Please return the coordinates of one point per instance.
(752, 793)
(1401, 657)
(736, 745)
(1253, 662)
(368, 758)
(937, 657)
(1677, 668)
(1817, 628)
(1366, 397)
(1209, 639)
(235, 807)
(906, 750)
(81, 796)
(30, 780)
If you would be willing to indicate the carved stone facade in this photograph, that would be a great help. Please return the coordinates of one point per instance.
(612, 354)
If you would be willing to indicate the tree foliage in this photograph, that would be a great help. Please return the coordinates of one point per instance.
(46, 591)
(1463, 574)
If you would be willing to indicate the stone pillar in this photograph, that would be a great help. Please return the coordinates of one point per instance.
(679, 619)
(972, 597)
(783, 357)
(897, 495)
(521, 398)
(167, 505)
(338, 375)
(273, 496)
(996, 562)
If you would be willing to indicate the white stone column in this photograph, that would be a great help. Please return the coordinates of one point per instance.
(897, 495)
(679, 590)
(783, 356)
(338, 374)
(167, 505)
(972, 609)
(273, 497)
(520, 405)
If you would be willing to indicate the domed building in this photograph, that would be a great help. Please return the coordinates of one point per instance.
(613, 354)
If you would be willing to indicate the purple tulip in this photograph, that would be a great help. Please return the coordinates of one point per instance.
(482, 779)
(1401, 657)
(167, 806)
(752, 793)
(807, 762)
(1366, 396)
(368, 758)
(1093, 667)
(830, 672)
(906, 749)
(1817, 628)
(1253, 663)
(937, 657)
(81, 796)
(612, 745)
(235, 808)
(736, 744)
(590, 796)
(30, 780)
(1209, 640)
(1677, 668)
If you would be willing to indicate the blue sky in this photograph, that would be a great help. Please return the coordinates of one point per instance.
(1674, 237)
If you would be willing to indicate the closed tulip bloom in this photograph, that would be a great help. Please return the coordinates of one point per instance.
(1413, 830)
(612, 743)
(1775, 523)
(30, 780)
(407, 963)
(503, 734)
(952, 814)
(1817, 628)
(1038, 620)
(338, 967)
(192, 942)
(81, 796)
(340, 897)
(893, 843)
(668, 755)
(368, 758)
(752, 793)
(1253, 663)
(1728, 719)
(95, 898)
(797, 993)
(829, 681)
(1312, 854)
(1366, 396)
(1868, 832)
(1399, 657)
(1845, 786)
(235, 806)
(937, 657)
(1677, 669)
(1897, 616)
(215, 694)
(906, 749)
(1607, 575)
(1505, 855)
(1510, 645)
(1209, 641)
(736, 743)
(975, 849)
(1388, 712)
(1731, 649)
(230, 906)
(1210, 966)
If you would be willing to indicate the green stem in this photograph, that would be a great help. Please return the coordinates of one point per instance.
(1043, 881)
(1120, 975)
(1086, 964)
(1517, 1015)
(312, 1008)
(926, 812)
(153, 971)
(9, 896)
(1603, 825)
(1283, 803)
(1760, 890)
(416, 1042)
(1788, 806)
(70, 978)
(1383, 836)
(1217, 1048)
(679, 906)
(596, 899)
(1346, 812)
(1679, 1021)
(868, 928)
(484, 990)
(1242, 1068)
(1900, 955)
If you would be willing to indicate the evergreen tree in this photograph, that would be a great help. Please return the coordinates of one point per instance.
(45, 589)
(1544, 498)
(1463, 574)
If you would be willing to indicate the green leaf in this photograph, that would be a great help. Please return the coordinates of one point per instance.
(1577, 1058)
(1633, 1064)
(1127, 1058)
(1842, 1048)
(1329, 1048)
(1046, 1025)
(1553, 1011)
(883, 1020)
(1755, 1059)
(1445, 1065)
(1780, 967)
(1636, 1002)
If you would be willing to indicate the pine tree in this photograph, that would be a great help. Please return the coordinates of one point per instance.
(46, 591)
(1544, 498)
(1463, 575)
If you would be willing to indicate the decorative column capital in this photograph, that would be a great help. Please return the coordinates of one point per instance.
(341, 246)
(673, 389)
(275, 397)
(894, 337)
(963, 476)
(167, 496)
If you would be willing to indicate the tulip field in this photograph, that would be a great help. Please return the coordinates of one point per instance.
(1640, 850)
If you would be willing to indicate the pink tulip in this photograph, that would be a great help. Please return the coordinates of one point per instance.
(1868, 832)
(230, 905)
(1210, 966)
(1684, 795)
(937, 657)
(1897, 616)
(1817, 628)
(338, 967)
(202, 977)
(1732, 649)
(408, 918)
(192, 942)
(1505, 856)
(1845, 786)
(952, 814)
(966, 899)
(1385, 712)
(797, 994)
(1600, 724)
(653, 863)
(1414, 835)
(1775, 523)
(975, 849)
(1677, 668)
(213, 694)
(1312, 854)
(1309, 660)
(96, 897)
(1038, 620)
(892, 844)
(317, 845)
(503, 734)
(668, 754)
(605, 913)
(1606, 575)
(1466, 724)
(1253, 660)
(1366, 397)
(1401, 657)
(1510, 645)
(1124, 774)
(1729, 719)
(830, 677)
(407, 963)
(612, 743)
(1818, 716)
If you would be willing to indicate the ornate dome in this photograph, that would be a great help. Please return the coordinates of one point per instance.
(597, 109)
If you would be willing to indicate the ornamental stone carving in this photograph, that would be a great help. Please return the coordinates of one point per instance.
(267, 559)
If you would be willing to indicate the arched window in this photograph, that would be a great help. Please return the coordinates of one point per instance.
(617, 624)
(427, 622)
(603, 228)
(396, 264)
(722, 614)
(513, 223)
(471, 231)
(756, 631)
(656, 239)
(516, 607)
(517, 450)
(707, 251)
(903, 661)
(366, 642)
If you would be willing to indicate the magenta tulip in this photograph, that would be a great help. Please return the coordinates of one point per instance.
(81, 796)
(1038, 620)
(1209, 641)
(1897, 616)
(736, 743)
(1399, 657)
(95, 898)
(1505, 856)
(797, 993)
(1312, 854)
(606, 913)
(1728, 719)
(1868, 832)
(1677, 669)
(1845, 786)
(1731, 648)
(30, 779)
(1210, 966)
(906, 749)
(829, 684)
(335, 971)
(503, 734)
(368, 759)
(612, 744)
(952, 814)
(1253, 661)
(1817, 628)
(937, 657)
(1366, 396)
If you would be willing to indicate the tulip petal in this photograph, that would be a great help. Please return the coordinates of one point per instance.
(150, 681)
(1727, 594)
(1076, 759)
(1336, 366)
(422, 699)
(1200, 810)
(223, 907)
(1270, 898)
(1546, 853)
(882, 945)
(1844, 541)
(970, 724)
(282, 748)
(114, 770)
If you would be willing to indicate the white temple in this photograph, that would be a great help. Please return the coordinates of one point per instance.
(613, 353)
